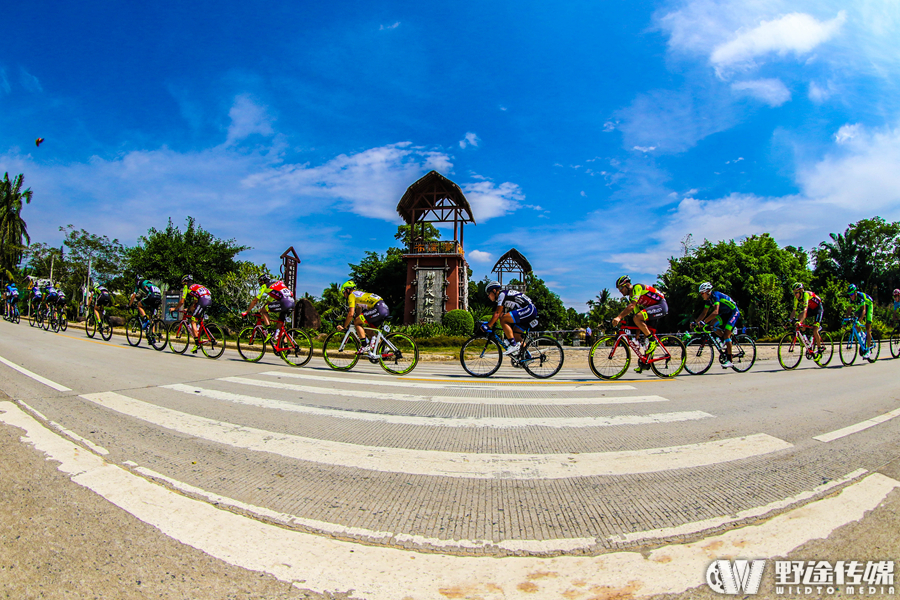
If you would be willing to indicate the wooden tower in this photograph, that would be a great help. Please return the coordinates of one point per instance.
(513, 262)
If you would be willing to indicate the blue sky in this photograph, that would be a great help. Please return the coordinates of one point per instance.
(592, 136)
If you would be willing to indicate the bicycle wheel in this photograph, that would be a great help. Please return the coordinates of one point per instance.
(743, 353)
(298, 347)
(402, 358)
(340, 359)
(46, 322)
(668, 357)
(789, 352)
(179, 338)
(63, 321)
(895, 343)
(543, 357)
(214, 342)
(90, 325)
(133, 331)
(157, 334)
(105, 328)
(16, 316)
(698, 356)
(876, 351)
(609, 357)
(847, 349)
(828, 353)
(250, 344)
(481, 356)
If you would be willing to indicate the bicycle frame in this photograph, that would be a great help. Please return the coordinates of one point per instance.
(631, 340)
(351, 331)
(856, 335)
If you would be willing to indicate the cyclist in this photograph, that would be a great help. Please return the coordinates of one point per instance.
(862, 304)
(645, 303)
(12, 297)
(196, 299)
(896, 295)
(724, 311)
(60, 303)
(372, 312)
(514, 308)
(147, 296)
(279, 297)
(813, 308)
(36, 296)
(51, 296)
(98, 297)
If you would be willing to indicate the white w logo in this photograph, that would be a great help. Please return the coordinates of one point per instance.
(726, 577)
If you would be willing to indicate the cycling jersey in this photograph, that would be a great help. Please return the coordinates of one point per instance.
(726, 305)
(364, 299)
(276, 292)
(145, 289)
(645, 296)
(50, 294)
(195, 291)
(862, 299)
(808, 299)
(513, 300)
(102, 297)
(896, 304)
(12, 289)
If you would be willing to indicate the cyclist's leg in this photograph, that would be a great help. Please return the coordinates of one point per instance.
(515, 321)
(729, 326)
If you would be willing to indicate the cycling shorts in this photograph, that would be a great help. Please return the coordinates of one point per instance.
(151, 302)
(376, 315)
(51, 298)
(104, 300)
(12, 299)
(200, 306)
(527, 316)
(814, 317)
(60, 300)
(655, 311)
(283, 307)
(868, 310)
(729, 322)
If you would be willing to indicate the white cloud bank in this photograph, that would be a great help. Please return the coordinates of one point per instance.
(771, 91)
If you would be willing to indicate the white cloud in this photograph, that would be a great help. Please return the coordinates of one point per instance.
(847, 133)
(389, 27)
(470, 139)
(819, 94)
(771, 91)
(247, 118)
(479, 257)
(795, 33)
(29, 81)
(644, 149)
(489, 200)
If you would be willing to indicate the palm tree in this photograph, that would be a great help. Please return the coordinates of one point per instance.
(13, 228)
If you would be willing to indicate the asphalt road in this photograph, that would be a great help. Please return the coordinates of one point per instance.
(216, 479)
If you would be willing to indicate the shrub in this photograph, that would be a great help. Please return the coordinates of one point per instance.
(459, 322)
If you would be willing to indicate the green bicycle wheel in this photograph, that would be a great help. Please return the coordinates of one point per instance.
(298, 347)
(179, 338)
(63, 321)
(789, 352)
(214, 343)
(823, 358)
(398, 354)
(609, 358)
(338, 355)
(672, 354)
(251, 344)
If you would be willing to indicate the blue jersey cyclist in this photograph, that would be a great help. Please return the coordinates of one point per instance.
(372, 312)
(274, 295)
(722, 309)
(51, 296)
(36, 295)
(864, 307)
(196, 299)
(896, 296)
(811, 308)
(147, 295)
(12, 296)
(514, 311)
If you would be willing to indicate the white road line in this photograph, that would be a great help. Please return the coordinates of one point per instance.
(497, 423)
(377, 573)
(839, 433)
(369, 395)
(35, 376)
(445, 464)
(393, 381)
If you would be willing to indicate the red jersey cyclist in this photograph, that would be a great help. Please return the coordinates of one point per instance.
(196, 299)
(645, 303)
(276, 296)
(372, 312)
(809, 306)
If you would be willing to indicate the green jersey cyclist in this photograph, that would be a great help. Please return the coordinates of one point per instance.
(147, 295)
(864, 307)
(645, 304)
(275, 296)
(724, 311)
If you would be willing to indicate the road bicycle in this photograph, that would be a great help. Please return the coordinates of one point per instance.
(63, 318)
(156, 331)
(796, 344)
(91, 325)
(36, 312)
(210, 337)
(395, 352)
(540, 355)
(853, 342)
(703, 343)
(610, 355)
(12, 314)
(50, 318)
(294, 346)
(895, 342)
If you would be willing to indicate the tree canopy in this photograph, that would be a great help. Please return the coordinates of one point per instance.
(13, 229)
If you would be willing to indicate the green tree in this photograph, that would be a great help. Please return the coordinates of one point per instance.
(432, 233)
(13, 229)
(239, 286)
(383, 274)
(106, 259)
(551, 310)
(167, 255)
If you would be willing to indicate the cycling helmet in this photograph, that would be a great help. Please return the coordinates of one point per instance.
(622, 281)
(494, 285)
(851, 290)
(264, 279)
(348, 286)
(896, 293)
(797, 287)
(705, 287)
(187, 279)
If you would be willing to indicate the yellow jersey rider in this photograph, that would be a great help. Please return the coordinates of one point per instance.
(373, 311)
(645, 303)
(808, 306)
(279, 297)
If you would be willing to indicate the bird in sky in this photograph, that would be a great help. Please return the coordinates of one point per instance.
(38, 141)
